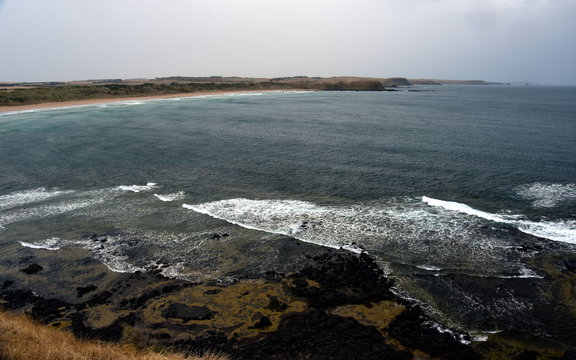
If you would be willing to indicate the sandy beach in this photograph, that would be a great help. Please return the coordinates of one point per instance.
(59, 104)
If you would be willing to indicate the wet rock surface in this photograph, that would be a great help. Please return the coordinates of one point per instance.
(317, 335)
(338, 305)
(83, 290)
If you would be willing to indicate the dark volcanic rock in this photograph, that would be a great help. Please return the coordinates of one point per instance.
(262, 323)
(410, 329)
(135, 303)
(212, 292)
(100, 299)
(187, 313)
(527, 355)
(317, 335)
(276, 305)
(16, 299)
(570, 265)
(42, 309)
(6, 284)
(570, 354)
(83, 290)
(279, 330)
(344, 278)
(32, 269)
(47, 310)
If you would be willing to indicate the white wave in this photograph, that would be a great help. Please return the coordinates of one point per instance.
(288, 217)
(461, 337)
(39, 212)
(40, 203)
(455, 206)
(170, 197)
(20, 112)
(353, 248)
(525, 273)
(138, 188)
(112, 253)
(176, 255)
(429, 267)
(399, 231)
(482, 336)
(24, 197)
(116, 103)
(244, 94)
(547, 195)
(561, 230)
(54, 108)
(298, 91)
(48, 244)
(16, 112)
(133, 102)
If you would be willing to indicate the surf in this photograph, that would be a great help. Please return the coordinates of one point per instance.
(562, 230)
(402, 231)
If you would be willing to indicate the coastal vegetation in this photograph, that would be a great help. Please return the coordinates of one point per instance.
(23, 339)
(38, 95)
(17, 94)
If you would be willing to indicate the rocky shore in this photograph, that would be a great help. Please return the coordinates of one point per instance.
(337, 306)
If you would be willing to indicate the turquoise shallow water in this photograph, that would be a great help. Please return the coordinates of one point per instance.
(450, 181)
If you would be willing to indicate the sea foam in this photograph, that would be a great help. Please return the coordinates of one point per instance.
(40, 203)
(24, 197)
(138, 188)
(403, 231)
(561, 230)
(48, 244)
(547, 195)
(170, 197)
(43, 211)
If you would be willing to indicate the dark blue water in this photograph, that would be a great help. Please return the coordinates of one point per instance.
(451, 180)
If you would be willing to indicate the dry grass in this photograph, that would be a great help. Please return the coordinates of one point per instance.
(22, 339)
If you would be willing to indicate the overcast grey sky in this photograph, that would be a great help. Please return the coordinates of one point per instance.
(498, 40)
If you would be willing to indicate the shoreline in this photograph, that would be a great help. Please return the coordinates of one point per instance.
(62, 104)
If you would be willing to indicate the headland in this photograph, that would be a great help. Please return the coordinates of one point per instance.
(16, 96)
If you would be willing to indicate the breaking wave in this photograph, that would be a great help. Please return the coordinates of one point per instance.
(138, 188)
(28, 196)
(170, 197)
(562, 230)
(41, 203)
(48, 244)
(448, 237)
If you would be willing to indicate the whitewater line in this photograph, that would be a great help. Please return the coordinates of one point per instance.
(563, 231)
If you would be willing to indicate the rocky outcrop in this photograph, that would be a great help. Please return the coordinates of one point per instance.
(337, 306)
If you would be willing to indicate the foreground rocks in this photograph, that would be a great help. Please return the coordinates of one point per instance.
(338, 306)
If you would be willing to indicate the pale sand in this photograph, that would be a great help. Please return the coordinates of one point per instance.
(134, 98)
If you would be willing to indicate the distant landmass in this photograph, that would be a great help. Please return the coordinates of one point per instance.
(453, 82)
(28, 93)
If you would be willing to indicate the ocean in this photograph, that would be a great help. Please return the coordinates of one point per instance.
(465, 195)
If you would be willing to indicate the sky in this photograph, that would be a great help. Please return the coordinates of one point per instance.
(494, 40)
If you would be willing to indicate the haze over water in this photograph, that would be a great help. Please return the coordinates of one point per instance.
(458, 181)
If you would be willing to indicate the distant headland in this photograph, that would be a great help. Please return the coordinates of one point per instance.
(25, 94)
